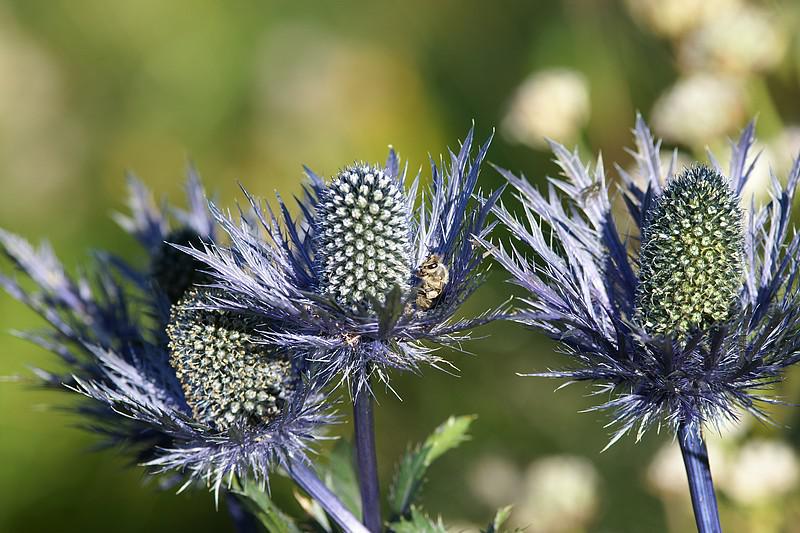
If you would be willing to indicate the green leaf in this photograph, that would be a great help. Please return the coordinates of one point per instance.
(340, 476)
(411, 471)
(499, 519)
(390, 311)
(314, 510)
(257, 502)
(448, 436)
(418, 522)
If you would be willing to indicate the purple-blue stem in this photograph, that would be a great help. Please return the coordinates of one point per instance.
(310, 482)
(698, 471)
(243, 521)
(367, 460)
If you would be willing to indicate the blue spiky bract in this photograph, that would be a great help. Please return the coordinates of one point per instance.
(109, 330)
(302, 273)
(583, 278)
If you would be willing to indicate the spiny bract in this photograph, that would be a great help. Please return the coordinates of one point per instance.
(225, 376)
(691, 255)
(174, 271)
(363, 242)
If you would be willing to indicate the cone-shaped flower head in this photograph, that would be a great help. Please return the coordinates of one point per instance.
(363, 245)
(690, 264)
(225, 376)
(686, 317)
(190, 391)
(367, 272)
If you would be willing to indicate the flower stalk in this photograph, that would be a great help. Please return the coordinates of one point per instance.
(310, 482)
(243, 521)
(698, 472)
(364, 423)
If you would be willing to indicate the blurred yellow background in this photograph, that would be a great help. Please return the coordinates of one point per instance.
(249, 91)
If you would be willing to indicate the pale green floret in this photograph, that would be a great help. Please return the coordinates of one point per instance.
(363, 245)
(225, 376)
(691, 256)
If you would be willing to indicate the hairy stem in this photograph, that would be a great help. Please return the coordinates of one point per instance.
(698, 471)
(308, 480)
(367, 460)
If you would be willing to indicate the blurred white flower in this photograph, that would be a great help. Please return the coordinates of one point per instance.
(560, 493)
(551, 103)
(666, 474)
(698, 109)
(785, 149)
(675, 17)
(494, 480)
(740, 40)
(763, 469)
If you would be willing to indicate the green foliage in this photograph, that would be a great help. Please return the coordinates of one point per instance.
(314, 510)
(410, 473)
(418, 522)
(499, 519)
(261, 506)
(340, 476)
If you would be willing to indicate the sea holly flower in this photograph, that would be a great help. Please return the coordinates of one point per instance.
(685, 321)
(690, 260)
(159, 228)
(187, 389)
(363, 280)
(343, 281)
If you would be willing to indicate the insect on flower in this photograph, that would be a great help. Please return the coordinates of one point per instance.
(366, 273)
(433, 275)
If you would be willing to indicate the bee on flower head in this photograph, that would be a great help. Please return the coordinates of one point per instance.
(352, 277)
(433, 275)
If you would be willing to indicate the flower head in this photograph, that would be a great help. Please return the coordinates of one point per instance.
(690, 262)
(365, 273)
(225, 376)
(186, 387)
(363, 238)
(689, 319)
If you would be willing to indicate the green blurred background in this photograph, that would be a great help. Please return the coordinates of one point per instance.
(248, 91)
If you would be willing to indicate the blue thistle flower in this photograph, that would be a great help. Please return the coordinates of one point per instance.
(190, 392)
(362, 279)
(689, 328)
(341, 283)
